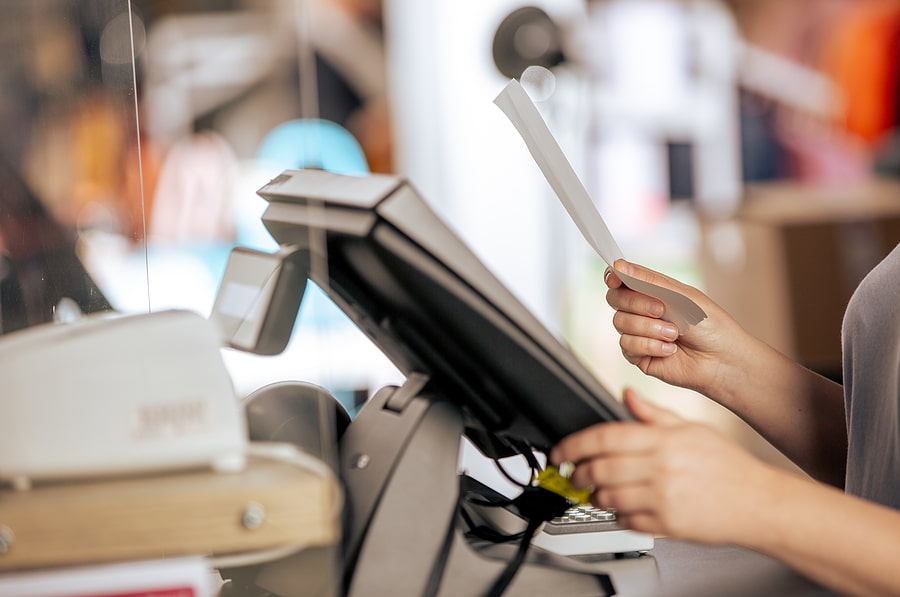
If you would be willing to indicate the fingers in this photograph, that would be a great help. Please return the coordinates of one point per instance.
(646, 412)
(625, 464)
(611, 279)
(621, 298)
(643, 334)
(631, 324)
(605, 439)
(613, 470)
(645, 522)
(625, 499)
(615, 453)
(642, 337)
(635, 507)
(638, 350)
(624, 299)
(654, 277)
(615, 439)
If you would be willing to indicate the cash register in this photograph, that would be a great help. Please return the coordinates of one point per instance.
(478, 365)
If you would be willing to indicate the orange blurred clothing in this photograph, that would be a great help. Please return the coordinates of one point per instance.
(138, 188)
(862, 55)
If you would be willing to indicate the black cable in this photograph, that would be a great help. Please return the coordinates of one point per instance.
(524, 449)
(487, 533)
(509, 477)
(515, 563)
(537, 505)
(533, 463)
(528, 452)
(488, 503)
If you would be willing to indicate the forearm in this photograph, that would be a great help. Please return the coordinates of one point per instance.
(839, 541)
(799, 411)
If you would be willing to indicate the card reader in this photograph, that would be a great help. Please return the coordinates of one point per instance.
(116, 394)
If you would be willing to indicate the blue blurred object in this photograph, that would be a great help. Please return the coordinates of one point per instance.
(313, 143)
(301, 143)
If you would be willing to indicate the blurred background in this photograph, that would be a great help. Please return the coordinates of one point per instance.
(747, 147)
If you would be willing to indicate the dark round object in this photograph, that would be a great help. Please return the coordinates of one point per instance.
(526, 37)
(299, 413)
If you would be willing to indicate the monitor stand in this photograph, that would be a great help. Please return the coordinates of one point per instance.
(399, 461)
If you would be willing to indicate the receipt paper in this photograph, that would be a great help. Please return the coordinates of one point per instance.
(524, 115)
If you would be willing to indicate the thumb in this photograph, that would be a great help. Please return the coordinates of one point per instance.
(649, 413)
(646, 274)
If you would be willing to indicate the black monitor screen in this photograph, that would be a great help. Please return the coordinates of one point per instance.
(415, 289)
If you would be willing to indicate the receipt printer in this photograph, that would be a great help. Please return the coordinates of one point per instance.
(116, 394)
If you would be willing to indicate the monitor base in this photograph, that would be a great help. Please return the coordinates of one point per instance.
(399, 460)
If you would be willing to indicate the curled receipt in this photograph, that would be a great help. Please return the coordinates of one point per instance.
(519, 108)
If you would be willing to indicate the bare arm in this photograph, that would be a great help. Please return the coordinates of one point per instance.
(800, 412)
(841, 541)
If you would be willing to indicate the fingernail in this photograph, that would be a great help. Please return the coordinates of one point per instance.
(624, 267)
(607, 275)
(669, 332)
(657, 309)
(566, 469)
(669, 348)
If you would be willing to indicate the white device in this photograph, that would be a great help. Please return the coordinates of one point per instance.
(592, 536)
(121, 394)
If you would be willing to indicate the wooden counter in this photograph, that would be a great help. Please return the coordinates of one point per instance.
(202, 512)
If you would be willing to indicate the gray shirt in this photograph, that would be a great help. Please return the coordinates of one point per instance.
(871, 346)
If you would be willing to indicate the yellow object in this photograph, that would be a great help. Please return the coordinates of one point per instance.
(551, 480)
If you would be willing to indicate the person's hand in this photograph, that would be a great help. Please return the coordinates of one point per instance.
(695, 358)
(667, 476)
